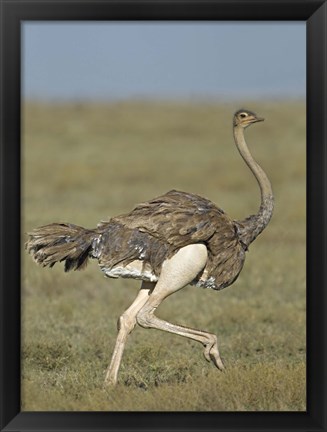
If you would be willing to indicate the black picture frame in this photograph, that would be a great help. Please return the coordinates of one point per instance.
(13, 13)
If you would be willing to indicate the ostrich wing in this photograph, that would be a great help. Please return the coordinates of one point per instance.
(178, 218)
(156, 229)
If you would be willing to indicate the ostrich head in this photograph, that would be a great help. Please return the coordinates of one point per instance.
(245, 118)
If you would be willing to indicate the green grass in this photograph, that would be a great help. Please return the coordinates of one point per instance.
(83, 163)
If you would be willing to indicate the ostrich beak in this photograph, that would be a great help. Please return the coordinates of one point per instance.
(259, 119)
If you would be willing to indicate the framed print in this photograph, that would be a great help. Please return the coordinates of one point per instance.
(123, 144)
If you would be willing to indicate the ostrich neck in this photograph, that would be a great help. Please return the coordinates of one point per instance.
(253, 225)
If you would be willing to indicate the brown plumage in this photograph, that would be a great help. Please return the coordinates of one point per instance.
(58, 242)
(140, 243)
(150, 233)
(157, 229)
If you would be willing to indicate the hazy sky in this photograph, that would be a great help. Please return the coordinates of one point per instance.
(120, 60)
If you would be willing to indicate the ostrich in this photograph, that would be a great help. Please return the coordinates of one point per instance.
(168, 242)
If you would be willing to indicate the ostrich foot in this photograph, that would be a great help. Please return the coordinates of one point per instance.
(110, 380)
(211, 353)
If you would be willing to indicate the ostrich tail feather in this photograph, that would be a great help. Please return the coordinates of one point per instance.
(58, 242)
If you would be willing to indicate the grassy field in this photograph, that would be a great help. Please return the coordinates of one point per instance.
(86, 163)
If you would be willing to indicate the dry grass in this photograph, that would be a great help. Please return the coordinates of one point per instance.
(83, 163)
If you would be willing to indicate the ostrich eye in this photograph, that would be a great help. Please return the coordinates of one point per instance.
(243, 115)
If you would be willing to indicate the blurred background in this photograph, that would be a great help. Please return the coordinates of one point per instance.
(188, 60)
(116, 113)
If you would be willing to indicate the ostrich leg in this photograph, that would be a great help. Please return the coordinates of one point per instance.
(177, 272)
(126, 324)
